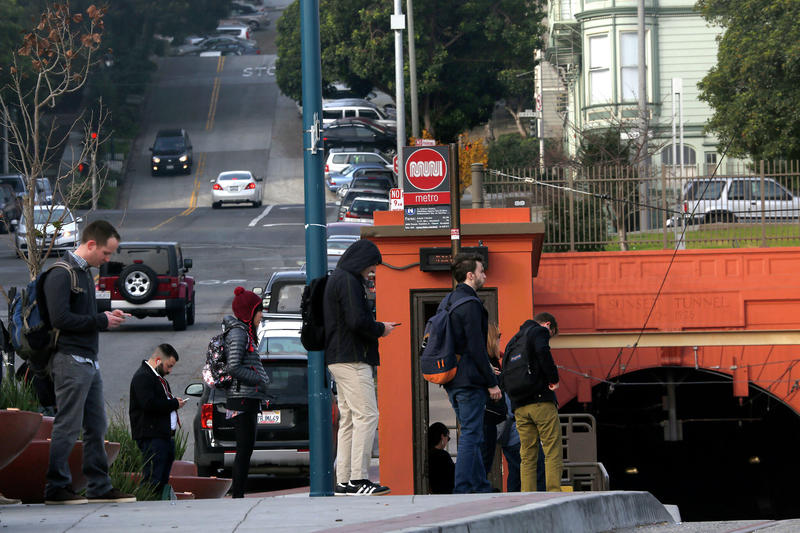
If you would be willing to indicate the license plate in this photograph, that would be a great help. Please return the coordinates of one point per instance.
(103, 295)
(170, 167)
(233, 189)
(269, 417)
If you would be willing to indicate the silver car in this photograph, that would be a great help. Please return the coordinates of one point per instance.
(52, 224)
(236, 187)
(362, 208)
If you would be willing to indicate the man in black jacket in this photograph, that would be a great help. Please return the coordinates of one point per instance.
(154, 415)
(536, 412)
(351, 353)
(475, 380)
(76, 371)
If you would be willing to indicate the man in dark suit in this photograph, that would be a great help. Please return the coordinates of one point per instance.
(154, 415)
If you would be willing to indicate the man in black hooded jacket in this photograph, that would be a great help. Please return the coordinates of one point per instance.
(351, 353)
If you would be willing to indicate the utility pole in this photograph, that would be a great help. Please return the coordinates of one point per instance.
(540, 109)
(412, 69)
(319, 395)
(642, 151)
(398, 24)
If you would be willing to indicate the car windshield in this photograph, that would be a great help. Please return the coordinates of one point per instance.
(281, 345)
(168, 144)
(236, 176)
(43, 216)
(369, 183)
(156, 258)
(16, 183)
(337, 247)
(365, 207)
(289, 297)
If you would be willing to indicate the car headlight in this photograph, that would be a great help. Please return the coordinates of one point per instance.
(184, 158)
(66, 234)
(156, 159)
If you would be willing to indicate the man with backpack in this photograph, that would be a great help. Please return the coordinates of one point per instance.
(474, 381)
(72, 310)
(351, 353)
(530, 378)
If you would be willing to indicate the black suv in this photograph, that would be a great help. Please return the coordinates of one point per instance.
(171, 152)
(281, 446)
(148, 279)
(361, 134)
(283, 292)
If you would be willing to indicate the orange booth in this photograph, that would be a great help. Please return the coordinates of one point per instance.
(407, 294)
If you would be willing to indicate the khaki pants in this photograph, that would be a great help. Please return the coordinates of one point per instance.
(358, 419)
(539, 421)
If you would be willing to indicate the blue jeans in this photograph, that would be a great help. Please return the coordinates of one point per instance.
(469, 405)
(79, 400)
(159, 454)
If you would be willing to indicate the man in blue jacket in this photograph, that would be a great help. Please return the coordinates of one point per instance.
(351, 353)
(475, 380)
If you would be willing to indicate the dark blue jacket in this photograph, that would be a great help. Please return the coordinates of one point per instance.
(537, 345)
(351, 332)
(470, 324)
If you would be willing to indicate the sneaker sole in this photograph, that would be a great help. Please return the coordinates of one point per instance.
(113, 500)
(383, 493)
(67, 502)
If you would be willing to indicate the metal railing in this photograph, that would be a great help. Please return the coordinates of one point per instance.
(613, 208)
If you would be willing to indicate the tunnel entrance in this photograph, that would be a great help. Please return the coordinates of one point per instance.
(680, 434)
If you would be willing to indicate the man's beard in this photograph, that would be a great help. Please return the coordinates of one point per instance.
(160, 369)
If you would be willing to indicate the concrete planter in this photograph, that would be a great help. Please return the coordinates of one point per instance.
(19, 428)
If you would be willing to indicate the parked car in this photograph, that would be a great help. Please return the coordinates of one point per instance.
(17, 183)
(345, 228)
(363, 207)
(339, 158)
(171, 152)
(338, 179)
(376, 182)
(148, 279)
(10, 209)
(52, 224)
(236, 187)
(338, 244)
(353, 193)
(237, 29)
(283, 292)
(736, 199)
(247, 14)
(213, 43)
(281, 447)
(355, 107)
(359, 135)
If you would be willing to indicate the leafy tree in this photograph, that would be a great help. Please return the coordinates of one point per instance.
(754, 89)
(512, 151)
(461, 47)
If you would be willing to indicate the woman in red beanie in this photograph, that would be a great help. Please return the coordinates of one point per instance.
(249, 386)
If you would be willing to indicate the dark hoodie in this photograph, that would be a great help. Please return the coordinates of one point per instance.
(351, 332)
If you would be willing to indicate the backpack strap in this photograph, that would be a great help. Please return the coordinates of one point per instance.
(73, 276)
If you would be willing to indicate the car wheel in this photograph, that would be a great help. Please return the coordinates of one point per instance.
(190, 310)
(216, 205)
(180, 318)
(138, 283)
(257, 204)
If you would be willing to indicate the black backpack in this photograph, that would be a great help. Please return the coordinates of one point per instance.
(521, 376)
(312, 333)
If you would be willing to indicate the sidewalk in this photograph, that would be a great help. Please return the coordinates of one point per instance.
(297, 513)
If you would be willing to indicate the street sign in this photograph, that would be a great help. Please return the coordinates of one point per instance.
(427, 217)
(426, 187)
(425, 142)
(395, 199)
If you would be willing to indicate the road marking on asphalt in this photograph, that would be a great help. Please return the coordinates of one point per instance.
(282, 224)
(264, 213)
(198, 171)
(212, 106)
(220, 64)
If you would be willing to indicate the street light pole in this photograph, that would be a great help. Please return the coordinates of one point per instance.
(398, 24)
(319, 397)
(412, 69)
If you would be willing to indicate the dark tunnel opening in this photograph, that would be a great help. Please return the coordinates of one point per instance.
(731, 458)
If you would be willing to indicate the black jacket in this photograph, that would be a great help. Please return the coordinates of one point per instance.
(74, 314)
(351, 332)
(250, 380)
(150, 408)
(538, 348)
(470, 323)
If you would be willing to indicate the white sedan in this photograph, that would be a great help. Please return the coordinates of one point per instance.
(236, 187)
(54, 224)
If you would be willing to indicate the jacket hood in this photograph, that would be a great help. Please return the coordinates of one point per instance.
(358, 256)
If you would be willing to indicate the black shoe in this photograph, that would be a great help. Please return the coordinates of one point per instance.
(340, 489)
(113, 496)
(64, 496)
(365, 487)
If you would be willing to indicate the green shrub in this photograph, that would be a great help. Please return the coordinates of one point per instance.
(18, 394)
(129, 460)
(513, 151)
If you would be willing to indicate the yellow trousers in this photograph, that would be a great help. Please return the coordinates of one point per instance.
(539, 421)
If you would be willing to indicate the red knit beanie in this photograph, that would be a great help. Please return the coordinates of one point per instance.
(245, 304)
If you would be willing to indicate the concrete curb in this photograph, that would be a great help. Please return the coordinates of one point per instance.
(582, 513)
